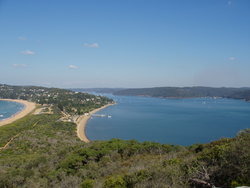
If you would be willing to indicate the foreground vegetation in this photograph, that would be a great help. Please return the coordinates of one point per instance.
(44, 152)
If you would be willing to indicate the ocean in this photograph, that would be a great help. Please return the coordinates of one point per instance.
(7, 109)
(170, 121)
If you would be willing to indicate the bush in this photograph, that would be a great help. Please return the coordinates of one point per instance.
(115, 182)
(88, 183)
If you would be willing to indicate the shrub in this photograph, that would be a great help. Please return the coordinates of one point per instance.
(115, 182)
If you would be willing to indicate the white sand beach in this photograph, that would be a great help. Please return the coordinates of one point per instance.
(82, 121)
(28, 108)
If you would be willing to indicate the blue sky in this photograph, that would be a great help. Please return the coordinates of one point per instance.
(125, 43)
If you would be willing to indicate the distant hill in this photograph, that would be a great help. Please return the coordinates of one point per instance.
(97, 90)
(188, 92)
(241, 95)
(40, 150)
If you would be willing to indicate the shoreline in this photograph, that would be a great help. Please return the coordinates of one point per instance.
(28, 108)
(81, 123)
(162, 97)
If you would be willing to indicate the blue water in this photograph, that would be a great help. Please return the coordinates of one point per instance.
(7, 109)
(170, 121)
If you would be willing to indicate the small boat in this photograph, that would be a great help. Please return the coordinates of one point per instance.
(109, 116)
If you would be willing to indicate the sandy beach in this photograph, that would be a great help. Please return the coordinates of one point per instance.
(28, 107)
(82, 121)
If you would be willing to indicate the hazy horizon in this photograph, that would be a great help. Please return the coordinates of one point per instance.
(128, 44)
(120, 87)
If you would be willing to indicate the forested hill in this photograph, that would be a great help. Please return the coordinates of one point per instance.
(42, 150)
(70, 102)
(241, 95)
(97, 90)
(187, 92)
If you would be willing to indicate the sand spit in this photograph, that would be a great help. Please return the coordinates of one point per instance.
(82, 121)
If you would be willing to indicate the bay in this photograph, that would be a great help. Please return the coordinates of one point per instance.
(170, 121)
(8, 109)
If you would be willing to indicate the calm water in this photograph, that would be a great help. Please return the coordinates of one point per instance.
(7, 109)
(172, 121)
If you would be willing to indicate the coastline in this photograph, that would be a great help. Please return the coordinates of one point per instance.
(81, 123)
(28, 108)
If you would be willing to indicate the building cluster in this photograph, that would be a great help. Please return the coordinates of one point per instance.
(68, 101)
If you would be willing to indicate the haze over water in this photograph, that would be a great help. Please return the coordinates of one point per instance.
(170, 121)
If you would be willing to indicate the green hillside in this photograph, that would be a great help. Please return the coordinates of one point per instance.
(44, 152)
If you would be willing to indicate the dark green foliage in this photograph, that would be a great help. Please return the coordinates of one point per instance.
(88, 183)
(45, 152)
(114, 182)
(227, 161)
(137, 177)
(50, 155)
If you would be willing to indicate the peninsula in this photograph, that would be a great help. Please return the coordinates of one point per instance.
(43, 150)
(70, 106)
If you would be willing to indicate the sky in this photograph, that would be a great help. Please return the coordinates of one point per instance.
(125, 43)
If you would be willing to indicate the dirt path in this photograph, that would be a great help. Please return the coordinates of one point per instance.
(8, 143)
(12, 138)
